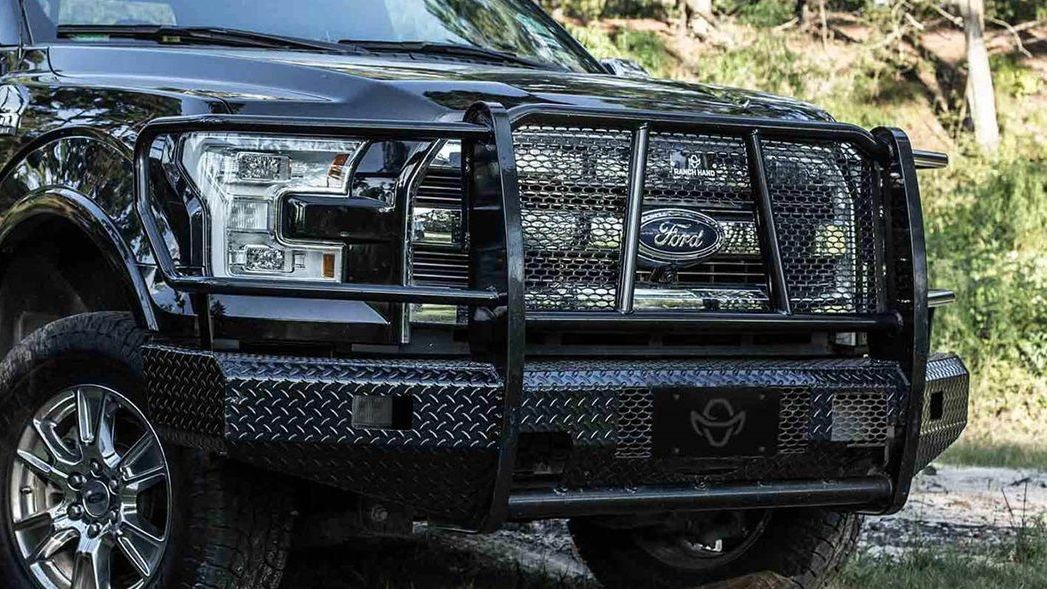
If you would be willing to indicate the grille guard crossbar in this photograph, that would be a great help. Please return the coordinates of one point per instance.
(498, 319)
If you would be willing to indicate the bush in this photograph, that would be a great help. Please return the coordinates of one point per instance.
(583, 9)
(987, 239)
(765, 13)
(766, 64)
(644, 47)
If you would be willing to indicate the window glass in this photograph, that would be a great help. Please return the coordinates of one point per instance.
(514, 26)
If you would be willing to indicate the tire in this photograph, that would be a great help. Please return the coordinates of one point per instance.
(795, 549)
(214, 524)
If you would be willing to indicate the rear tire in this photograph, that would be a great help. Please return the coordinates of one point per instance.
(226, 525)
(794, 549)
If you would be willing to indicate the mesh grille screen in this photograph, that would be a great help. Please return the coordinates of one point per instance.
(635, 408)
(822, 198)
(573, 187)
(697, 171)
(860, 417)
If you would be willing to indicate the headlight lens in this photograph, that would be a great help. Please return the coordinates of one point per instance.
(242, 178)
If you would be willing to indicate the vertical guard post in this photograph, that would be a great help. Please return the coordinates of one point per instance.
(497, 261)
(770, 244)
(907, 287)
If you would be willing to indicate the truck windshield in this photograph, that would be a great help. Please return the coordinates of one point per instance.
(516, 27)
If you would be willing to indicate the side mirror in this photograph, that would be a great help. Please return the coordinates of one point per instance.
(625, 68)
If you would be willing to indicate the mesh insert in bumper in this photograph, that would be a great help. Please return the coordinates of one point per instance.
(834, 414)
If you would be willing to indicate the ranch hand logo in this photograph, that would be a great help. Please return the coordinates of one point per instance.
(678, 236)
(718, 422)
(695, 165)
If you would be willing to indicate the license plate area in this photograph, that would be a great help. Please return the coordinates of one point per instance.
(717, 423)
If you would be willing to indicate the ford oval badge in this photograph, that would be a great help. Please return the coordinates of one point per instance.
(678, 237)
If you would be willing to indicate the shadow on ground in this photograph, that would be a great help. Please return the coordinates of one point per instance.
(430, 560)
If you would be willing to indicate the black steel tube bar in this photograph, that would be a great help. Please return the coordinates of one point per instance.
(727, 125)
(720, 321)
(929, 160)
(907, 284)
(392, 293)
(633, 212)
(768, 226)
(937, 297)
(543, 504)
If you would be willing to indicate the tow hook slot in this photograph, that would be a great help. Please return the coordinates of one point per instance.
(382, 412)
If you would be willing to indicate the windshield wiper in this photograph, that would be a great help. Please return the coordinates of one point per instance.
(453, 49)
(216, 35)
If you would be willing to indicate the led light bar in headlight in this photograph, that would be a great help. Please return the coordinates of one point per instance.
(242, 178)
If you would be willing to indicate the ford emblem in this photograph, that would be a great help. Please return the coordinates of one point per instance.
(678, 237)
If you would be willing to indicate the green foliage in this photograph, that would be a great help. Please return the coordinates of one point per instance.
(766, 64)
(1021, 564)
(763, 13)
(645, 47)
(987, 239)
(769, 13)
(1012, 78)
(583, 9)
(639, 8)
(1016, 10)
(1004, 455)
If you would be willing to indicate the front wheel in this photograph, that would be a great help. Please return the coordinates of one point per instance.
(95, 500)
(793, 549)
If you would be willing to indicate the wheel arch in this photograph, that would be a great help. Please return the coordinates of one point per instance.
(68, 221)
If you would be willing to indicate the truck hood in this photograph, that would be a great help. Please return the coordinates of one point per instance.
(291, 83)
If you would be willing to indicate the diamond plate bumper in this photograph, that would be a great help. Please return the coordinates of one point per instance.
(944, 414)
(838, 421)
(295, 415)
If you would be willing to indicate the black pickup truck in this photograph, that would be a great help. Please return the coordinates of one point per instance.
(277, 272)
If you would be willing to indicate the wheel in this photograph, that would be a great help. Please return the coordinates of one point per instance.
(93, 499)
(799, 548)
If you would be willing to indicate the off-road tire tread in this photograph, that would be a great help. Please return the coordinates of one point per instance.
(240, 523)
(249, 531)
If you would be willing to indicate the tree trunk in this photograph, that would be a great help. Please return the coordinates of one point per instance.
(697, 17)
(980, 94)
(803, 14)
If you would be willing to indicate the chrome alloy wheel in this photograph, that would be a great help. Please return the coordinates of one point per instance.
(90, 493)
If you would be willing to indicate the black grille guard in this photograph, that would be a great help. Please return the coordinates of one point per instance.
(498, 320)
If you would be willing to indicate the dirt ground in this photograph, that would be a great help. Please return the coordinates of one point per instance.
(949, 505)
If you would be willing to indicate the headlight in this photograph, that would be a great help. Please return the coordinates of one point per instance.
(242, 180)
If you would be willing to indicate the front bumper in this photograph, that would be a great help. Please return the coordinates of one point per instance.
(840, 423)
(475, 448)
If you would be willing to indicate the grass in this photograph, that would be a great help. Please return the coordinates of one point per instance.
(942, 569)
(1021, 563)
(999, 454)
